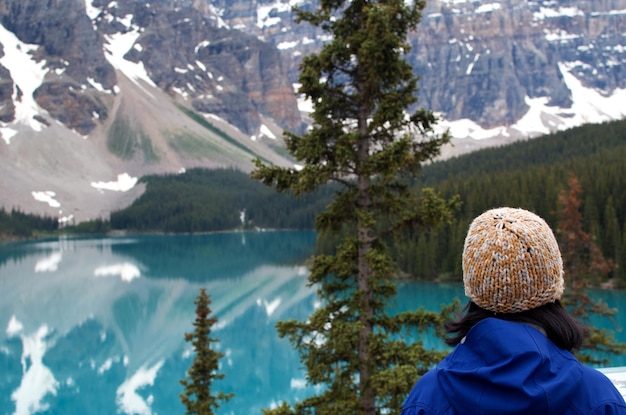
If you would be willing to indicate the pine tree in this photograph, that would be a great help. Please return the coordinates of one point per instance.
(362, 138)
(584, 267)
(198, 398)
(612, 233)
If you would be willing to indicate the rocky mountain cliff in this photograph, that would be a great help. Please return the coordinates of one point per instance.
(96, 93)
(496, 70)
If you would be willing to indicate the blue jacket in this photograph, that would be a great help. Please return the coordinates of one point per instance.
(511, 368)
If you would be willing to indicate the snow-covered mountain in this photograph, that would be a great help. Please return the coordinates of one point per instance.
(96, 93)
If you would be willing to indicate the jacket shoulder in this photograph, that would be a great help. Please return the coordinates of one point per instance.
(598, 395)
(427, 398)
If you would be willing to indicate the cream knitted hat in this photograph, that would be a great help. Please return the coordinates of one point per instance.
(511, 261)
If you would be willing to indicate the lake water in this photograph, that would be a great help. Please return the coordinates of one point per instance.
(96, 326)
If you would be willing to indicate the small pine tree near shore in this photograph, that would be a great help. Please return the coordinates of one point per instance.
(198, 398)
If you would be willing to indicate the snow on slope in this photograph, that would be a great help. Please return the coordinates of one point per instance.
(118, 45)
(589, 106)
(27, 76)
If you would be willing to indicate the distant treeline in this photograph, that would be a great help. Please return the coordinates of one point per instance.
(17, 224)
(202, 200)
(528, 174)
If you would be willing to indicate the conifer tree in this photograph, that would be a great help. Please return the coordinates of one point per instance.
(198, 397)
(584, 267)
(364, 138)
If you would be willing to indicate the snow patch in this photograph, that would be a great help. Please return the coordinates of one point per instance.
(609, 13)
(180, 92)
(263, 13)
(589, 105)
(487, 8)
(531, 123)
(92, 12)
(201, 66)
(304, 104)
(470, 67)
(201, 45)
(27, 76)
(46, 197)
(7, 134)
(549, 13)
(287, 45)
(119, 45)
(267, 132)
(123, 184)
(216, 14)
(560, 36)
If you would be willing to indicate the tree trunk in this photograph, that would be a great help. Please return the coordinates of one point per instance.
(364, 235)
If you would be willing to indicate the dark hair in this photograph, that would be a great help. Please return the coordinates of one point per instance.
(561, 327)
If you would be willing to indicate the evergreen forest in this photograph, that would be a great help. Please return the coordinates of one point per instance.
(17, 224)
(528, 174)
(202, 200)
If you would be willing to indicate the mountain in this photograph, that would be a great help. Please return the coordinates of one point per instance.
(495, 71)
(94, 94)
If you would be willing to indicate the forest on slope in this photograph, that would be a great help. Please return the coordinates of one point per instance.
(202, 200)
(529, 174)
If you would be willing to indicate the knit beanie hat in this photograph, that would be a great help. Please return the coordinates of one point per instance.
(511, 261)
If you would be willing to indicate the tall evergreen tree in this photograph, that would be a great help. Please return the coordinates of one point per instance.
(584, 267)
(362, 138)
(198, 397)
(612, 232)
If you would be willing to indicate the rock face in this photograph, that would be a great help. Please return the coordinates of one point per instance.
(186, 52)
(181, 46)
(487, 63)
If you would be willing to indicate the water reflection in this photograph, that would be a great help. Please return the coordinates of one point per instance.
(100, 323)
(96, 326)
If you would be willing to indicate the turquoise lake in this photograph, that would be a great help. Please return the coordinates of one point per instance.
(96, 325)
